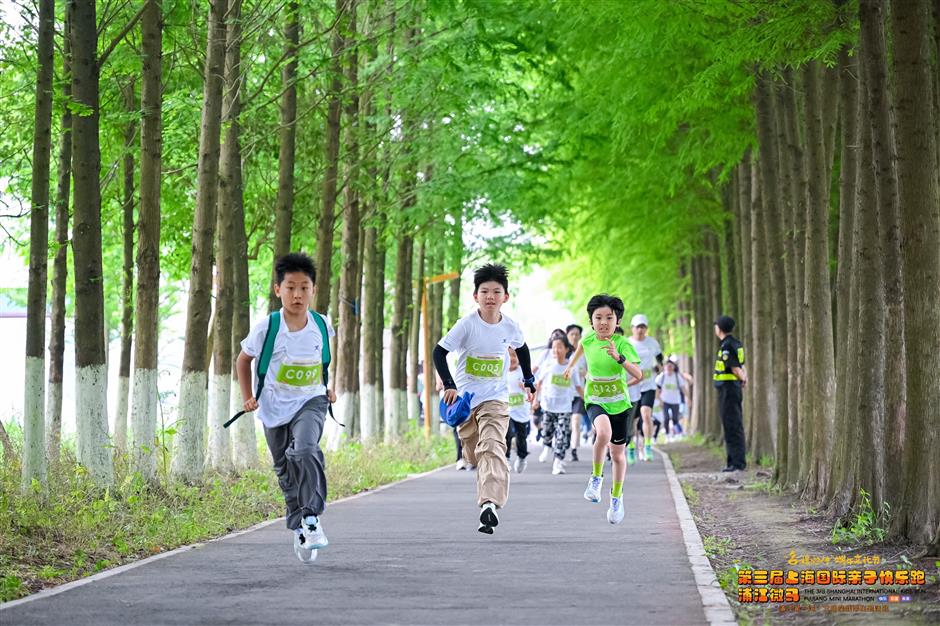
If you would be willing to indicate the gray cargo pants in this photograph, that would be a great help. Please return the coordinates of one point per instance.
(298, 460)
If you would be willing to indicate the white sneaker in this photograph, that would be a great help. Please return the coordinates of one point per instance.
(615, 512)
(520, 465)
(488, 519)
(305, 554)
(558, 467)
(461, 464)
(314, 537)
(546, 452)
(593, 491)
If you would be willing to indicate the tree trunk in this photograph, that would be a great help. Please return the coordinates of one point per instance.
(846, 294)
(747, 270)
(917, 517)
(347, 380)
(770, 137)
(817, 298)
(34, 461)
(760, 442)
(703, 347)
(334, 109)
(287, 136)
(144, 413)
(414, 339)
(230, 194)
(245, 445)
(91, 377)
(127, 287)
(189, 446)
(398, 376)
(60, 264)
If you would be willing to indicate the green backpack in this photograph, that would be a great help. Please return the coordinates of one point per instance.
(264, 359)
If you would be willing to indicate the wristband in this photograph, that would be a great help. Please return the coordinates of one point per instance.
(622, 359)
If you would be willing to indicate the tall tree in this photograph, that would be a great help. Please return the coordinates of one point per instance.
(398, 413)
(60, 263)
(34, 466)
(189, 446)
(287, 141)
(918, 515)
(127, 286)
(91, 376)
(144, 413)
(334, 111)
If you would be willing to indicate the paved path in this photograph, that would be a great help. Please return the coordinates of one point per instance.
(411, 554)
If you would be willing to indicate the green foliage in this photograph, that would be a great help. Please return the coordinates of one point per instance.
(717, 546)
(866, 527)
(691, 495)
(74, 528)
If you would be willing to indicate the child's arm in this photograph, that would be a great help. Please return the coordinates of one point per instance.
(443, 370)
(243, 369)
(572, 363)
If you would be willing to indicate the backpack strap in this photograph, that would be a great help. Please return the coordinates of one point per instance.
(325, 355)
(264, 359)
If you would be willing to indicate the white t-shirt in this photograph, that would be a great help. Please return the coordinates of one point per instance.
(518, 407)
(556, 393)
(647, 351)
(295, 372)
(482, 356)
(669, 387)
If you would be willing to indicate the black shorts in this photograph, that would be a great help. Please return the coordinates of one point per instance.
(647, 398)
(577, 405)
(621, 426)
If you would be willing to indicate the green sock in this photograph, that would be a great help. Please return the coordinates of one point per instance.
(647, 440)
(631, 445)
(617, 491)
(598, 469)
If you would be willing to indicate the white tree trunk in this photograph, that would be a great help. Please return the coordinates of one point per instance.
(396, 416)
(91, 415)
(143, 444)
(414, 410)
(189, 443)
(34, 458)
(344, 409)
(367, 414)
(220, 443)
(53, 430)
(120, 418)
(245, 444)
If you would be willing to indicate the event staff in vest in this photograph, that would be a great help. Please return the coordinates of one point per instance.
(729, 377)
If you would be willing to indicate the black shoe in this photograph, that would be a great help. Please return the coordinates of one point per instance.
(729, 469)
(574, 454)
(488, 519)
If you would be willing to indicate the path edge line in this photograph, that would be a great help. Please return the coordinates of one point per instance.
(714, 601)
(53, 591)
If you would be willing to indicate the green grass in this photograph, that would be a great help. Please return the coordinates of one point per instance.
(866, 527)
(717, 546)
(74, 528)
(691, 495)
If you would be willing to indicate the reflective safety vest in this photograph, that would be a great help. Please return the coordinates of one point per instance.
(730, 355)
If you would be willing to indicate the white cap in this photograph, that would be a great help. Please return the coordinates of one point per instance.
(639, 320)
(674, 358)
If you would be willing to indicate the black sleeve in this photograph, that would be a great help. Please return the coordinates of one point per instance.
(729, 353)
(525, 362)
(659, 359)
(440, 364)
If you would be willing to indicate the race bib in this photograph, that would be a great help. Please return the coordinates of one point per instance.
(515, 399)
(485, 367)
(647, 374)
(560, 381)
(605, 390)
(300, 374)
(670, 386)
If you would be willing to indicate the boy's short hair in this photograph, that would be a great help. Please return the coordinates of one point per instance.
(491, 272)
(603, 299)
(294, 262)
(571, 327)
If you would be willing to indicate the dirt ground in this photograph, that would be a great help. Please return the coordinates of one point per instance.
(745, 523)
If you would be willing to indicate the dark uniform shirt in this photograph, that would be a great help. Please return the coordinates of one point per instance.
(730, 355)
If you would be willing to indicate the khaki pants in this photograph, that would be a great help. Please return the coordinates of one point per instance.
(483, 436)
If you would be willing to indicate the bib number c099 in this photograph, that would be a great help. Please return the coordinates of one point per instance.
(300, 374)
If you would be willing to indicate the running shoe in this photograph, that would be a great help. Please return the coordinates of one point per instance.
(615, 512)
(461, 464)
(314, 536)
(520, 465)
(488, 519)
(546, 452)
(304, 553)
(648, 451)
(593, 491)
(631, 456)
(558, 467)
(574, 455)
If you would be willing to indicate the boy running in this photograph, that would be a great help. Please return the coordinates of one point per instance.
(609, 359)
(481, 340)
(643, 394)
(294, 400)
